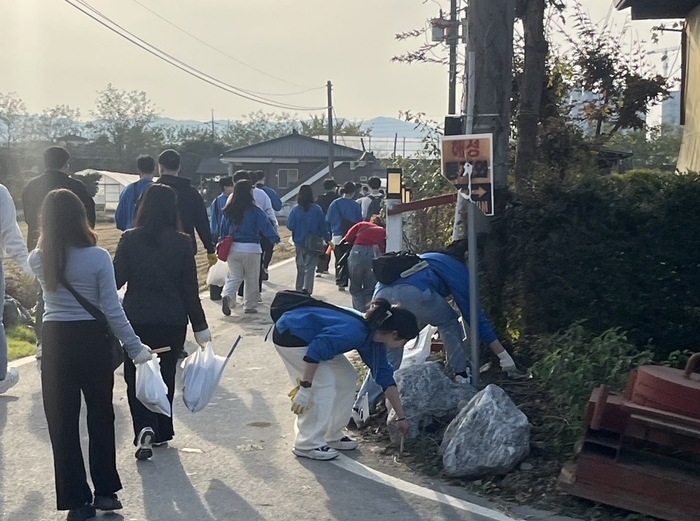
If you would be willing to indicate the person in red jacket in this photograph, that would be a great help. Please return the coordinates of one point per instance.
(369, 241)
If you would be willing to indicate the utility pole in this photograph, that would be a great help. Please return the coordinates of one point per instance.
(452, 40)
(329, 86)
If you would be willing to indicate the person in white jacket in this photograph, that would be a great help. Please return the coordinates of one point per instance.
(13, 245)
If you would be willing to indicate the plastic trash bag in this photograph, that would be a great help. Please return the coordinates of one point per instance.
(201, 372)
(150, 387)
(417, 351)
(216, 276)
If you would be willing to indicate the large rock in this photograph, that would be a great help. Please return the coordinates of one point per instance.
(489, 436)
(427, 395)
(14, 314)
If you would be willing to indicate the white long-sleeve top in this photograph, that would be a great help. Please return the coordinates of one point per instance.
(11, 241)
(91, 273)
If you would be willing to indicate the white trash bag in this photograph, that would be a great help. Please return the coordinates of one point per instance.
(216, 276)
(150, 387)
(201, 372)
(417, 351)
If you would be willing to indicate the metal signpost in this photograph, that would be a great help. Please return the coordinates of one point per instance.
(467, 161)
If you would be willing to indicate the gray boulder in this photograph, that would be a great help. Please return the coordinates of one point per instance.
(489, 436)
(427, 395)
(14, 313)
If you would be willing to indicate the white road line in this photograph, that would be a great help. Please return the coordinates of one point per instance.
(362, 470)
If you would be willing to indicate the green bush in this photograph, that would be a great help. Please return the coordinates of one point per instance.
(21, 341)
(570, 365)
(618, 251)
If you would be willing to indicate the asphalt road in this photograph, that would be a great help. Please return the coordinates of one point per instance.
(231, 461)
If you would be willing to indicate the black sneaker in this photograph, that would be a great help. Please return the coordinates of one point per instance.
(144, 449)
(226, 306)
(81, 514)
(107, 503)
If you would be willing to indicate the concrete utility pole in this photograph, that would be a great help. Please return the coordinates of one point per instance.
(329, 86)
(490, 26)
(452, 40)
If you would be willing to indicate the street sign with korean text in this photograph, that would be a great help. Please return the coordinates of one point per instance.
(467, 162)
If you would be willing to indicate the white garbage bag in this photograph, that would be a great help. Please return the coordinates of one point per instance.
(216, 276)
(201, 372)
(150, 387)
(417, 351)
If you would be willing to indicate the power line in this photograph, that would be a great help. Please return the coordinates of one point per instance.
(231, 57)
(105, 21)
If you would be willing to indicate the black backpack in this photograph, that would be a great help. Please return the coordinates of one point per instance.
(288, 300)
(375, 206)
(388, 268)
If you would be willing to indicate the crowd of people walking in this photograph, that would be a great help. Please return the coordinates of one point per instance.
(80, 318)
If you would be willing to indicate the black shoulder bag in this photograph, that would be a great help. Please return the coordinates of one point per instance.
(115, 346)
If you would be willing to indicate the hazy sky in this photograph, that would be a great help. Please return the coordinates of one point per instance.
(53, 54)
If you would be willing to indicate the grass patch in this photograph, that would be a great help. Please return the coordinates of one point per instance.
(21, 341)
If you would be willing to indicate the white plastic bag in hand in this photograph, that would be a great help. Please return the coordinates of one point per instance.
(416, 351)
(150, 387)
(201, 372)
(217, 274)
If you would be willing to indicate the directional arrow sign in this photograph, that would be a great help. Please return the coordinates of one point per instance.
(467, 161)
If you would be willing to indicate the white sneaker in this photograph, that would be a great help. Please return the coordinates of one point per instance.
(344, 443)
(145, 444)
(10, 380)
(324, 453)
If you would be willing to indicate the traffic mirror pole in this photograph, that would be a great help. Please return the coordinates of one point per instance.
(473, 263)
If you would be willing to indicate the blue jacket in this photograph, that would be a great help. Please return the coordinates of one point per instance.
(303, 223)
(274, 197)
(216, 213)
(254, 225)
(343, 208)
(447, 276)
(128, 201)
(331, 333)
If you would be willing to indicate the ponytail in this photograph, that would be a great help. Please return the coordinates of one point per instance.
(382, 316)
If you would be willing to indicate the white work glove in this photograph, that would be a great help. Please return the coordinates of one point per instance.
(202, 337)
(301, 396)
(506, 361)
(144, 355)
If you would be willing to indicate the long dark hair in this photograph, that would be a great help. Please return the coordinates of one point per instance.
(241, 201)
(64, 225)
(157, 211)
(382, 316)
(306, 197)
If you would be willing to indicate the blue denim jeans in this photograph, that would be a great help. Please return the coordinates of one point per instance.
(3, 338)
(429, 308)
(362, 279)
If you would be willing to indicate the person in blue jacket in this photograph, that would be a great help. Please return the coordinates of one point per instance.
(216, 215)
(246, 223)
(276, 202)
(129, 198)
(424, 293)
(312, 342)
(306, 219)
(342, 214)
(216, 209)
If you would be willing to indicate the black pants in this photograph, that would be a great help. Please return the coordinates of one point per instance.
(324, 261)
(267, 249)
(77, 358)
(341, 253)
(155, 336)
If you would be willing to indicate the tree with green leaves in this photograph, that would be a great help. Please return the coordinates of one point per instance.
(13, 118)
(124, 117)
(56, 122)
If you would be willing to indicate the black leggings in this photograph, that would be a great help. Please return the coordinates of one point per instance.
(155, 336)
(77, 358)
